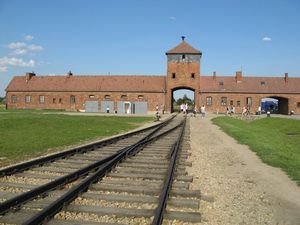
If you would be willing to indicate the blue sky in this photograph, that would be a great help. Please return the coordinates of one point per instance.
(261, 37)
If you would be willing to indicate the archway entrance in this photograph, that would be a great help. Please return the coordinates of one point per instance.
(182, 96)
(275, 105)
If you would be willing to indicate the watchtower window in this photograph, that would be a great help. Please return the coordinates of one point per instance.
(193, 75)
(262, 83)
(183, 56)
(173, 75)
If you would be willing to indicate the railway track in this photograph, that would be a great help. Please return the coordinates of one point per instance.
(137, 179)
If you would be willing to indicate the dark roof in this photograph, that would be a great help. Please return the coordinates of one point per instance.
(107, 83)
(228, 84)
(183, 48)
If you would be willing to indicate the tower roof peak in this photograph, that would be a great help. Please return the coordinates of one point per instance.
(183, 48)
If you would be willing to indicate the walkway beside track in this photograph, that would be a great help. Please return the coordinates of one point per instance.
(245, 190)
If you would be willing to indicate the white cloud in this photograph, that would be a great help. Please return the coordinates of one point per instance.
(21, 48)
(3, 69)
(267, 39)
(35, 48)
(15, 62)
(28, 37)
(15, 45)
(19, 51)
(172, 18)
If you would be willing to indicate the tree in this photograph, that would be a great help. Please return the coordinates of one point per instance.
(2, 100)
(184, 100)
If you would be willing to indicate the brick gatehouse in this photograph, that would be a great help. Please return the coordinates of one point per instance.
(141, 94)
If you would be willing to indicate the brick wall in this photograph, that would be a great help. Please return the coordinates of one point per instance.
(288, 101)
(61, 100)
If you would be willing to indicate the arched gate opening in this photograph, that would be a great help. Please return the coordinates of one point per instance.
(182, 96)
(275, 105)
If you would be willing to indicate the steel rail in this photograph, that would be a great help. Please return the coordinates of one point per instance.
(159, 211)
(85, 148)
(47, 213)
(24, 197)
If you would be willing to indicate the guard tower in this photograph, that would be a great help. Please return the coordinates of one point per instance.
(183, 71)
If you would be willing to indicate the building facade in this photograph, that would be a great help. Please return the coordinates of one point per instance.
(139, 94)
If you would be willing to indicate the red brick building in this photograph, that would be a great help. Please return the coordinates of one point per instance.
(141, 94)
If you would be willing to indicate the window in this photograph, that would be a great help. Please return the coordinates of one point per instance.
(106, 97)
(298, 104)
(141, 97)
(263, 83)
(14, 99)
(183, 56)
(54, 100)
(124, 97)
(224, 101)
(42, 99)
(91, 96)
(72, 99)
(173, 75)
(249, 101)
(231, 102)
(238, 103)
(60, 100)
(27, 99)
(221, 83)
(193, 75)
(208, 100)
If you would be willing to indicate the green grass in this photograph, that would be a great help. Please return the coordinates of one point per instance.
(24, 134)
(275, 140)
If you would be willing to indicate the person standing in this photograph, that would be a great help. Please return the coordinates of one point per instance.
(202, 111)
(195, 111)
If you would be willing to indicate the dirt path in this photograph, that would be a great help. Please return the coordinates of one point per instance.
(245, 190)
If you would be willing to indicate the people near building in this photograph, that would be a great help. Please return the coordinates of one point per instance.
(107, 109)
(195, 111)
(232, 109)
(245, 111)
(156, 108)
(202, 111)
(162, 109)
(184, 108)
(259, 110)
(228, 110)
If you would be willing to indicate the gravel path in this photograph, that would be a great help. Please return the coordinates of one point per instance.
(245, 190)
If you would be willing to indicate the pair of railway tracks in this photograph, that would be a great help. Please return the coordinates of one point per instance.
(137, 178)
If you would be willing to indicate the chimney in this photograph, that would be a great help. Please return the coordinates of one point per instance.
(214, 75)
(29, 76)
(238, 76)
(286, 76)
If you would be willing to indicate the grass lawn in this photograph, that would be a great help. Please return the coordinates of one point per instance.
(24, 134)
(275, 140)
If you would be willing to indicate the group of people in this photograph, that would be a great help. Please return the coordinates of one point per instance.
(230, 110)
(184, 108)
